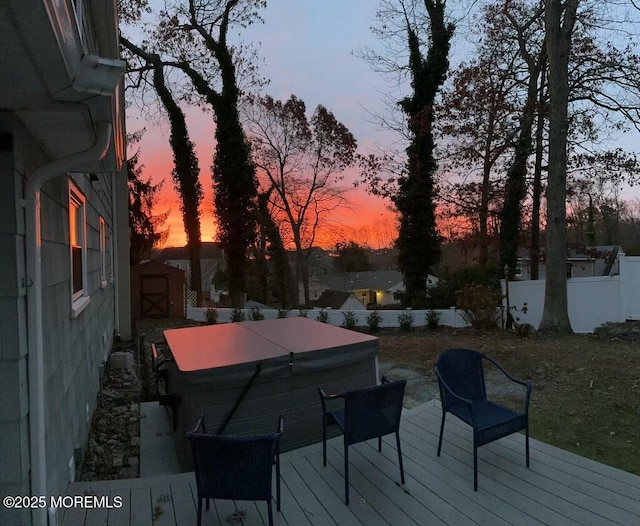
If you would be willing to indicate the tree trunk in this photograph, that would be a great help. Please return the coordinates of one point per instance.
(516, 189)
(559, 21)
(185, 176)
(186, 171)
(483, 213)
(534, 252)
(278, 259)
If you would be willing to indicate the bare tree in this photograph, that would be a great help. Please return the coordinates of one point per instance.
(302, 161)
(477, 119)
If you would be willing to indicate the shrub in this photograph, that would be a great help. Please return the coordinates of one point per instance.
(405, 320)
(373, 320)
(444, 294)
(256, 314)
(432, 319)
(350, 319)
(323, 316)
(237, 315)
(479, 305)
(212, 316)
(283, 313)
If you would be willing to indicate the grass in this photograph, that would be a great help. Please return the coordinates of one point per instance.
(586, 390)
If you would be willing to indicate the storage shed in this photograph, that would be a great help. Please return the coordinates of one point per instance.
(157, 291)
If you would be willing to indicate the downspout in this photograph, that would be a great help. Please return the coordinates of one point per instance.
(114, 259)
(34, 305)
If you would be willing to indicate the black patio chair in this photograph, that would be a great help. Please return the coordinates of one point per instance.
(236, 467)
(367, 413)
(463, 393)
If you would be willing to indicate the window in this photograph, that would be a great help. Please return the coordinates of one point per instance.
(78, 249)
(518, 270)
(103, 252)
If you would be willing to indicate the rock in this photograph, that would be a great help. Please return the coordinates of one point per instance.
(114, 435)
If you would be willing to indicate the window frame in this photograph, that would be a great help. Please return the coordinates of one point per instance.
(78, 240)
(519, 269)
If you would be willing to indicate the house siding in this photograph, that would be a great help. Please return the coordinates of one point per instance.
(74, 348)
(14, 434)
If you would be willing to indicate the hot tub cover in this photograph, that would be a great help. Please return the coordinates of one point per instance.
(224, 354)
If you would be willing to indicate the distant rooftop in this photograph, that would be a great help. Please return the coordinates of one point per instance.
(208, 250)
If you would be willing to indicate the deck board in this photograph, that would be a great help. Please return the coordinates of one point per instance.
(558, 488)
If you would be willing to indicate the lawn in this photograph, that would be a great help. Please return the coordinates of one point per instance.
(586, 389)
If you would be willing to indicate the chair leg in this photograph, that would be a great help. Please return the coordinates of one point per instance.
(379, 444)
(441, 430)
(346, 473)
(475, 465)
(526, 434)
(278, 480)
(199, 511)
(324, 440)
(400, 457)
(270, 511)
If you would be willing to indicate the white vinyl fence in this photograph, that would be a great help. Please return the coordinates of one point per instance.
(592, 301)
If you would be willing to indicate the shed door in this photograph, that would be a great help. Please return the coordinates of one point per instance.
(154, 296)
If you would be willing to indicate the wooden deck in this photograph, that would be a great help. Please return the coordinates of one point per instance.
(559, 488)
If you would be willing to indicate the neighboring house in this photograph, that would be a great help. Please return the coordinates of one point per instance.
(338, 300)
(319, 260)
(581, 263)
(372, 288)
(64, 239)
(211, 259)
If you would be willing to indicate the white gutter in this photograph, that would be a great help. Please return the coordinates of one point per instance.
(114, 259)
(35, 338)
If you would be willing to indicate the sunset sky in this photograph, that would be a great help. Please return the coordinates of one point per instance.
(307, 47)
(307, 51)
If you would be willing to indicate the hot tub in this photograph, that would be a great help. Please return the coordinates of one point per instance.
(273, 367)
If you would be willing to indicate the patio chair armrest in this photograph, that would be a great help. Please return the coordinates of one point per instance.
(280, 425)
(200, 427)
(324, 397)
(524, 383)
(386, 380)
